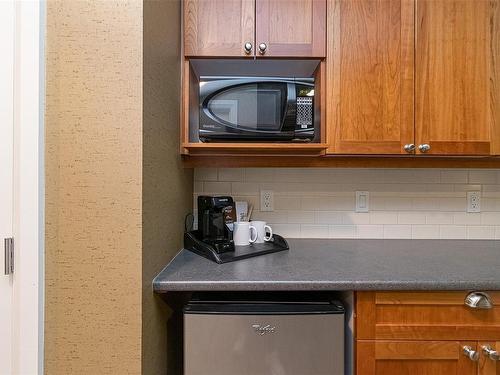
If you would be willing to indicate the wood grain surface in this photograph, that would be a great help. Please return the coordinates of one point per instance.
(426, 316)
(291, 28)
(413, 357)
(218, 27)
(457, 80)
(370, 76)
(487, 366)
(339, 161)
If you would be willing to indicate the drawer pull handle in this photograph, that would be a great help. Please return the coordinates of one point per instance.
(478, 300)
(491, 353)
(470, 353)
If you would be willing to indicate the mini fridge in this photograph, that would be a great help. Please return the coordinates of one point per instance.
(263, 334)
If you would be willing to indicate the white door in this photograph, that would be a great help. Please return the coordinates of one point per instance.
(7, 17)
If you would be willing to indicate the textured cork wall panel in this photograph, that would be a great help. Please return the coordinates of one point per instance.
(93, 187)
(167, 187)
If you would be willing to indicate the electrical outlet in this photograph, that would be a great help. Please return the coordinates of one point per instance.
(267, 200)
(473, 201)
(362, 201)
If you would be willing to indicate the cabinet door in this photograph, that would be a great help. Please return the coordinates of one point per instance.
(218, 27)
(291, 28)
(458, 76)
(414, 358)
(370, 76)
(489, 366)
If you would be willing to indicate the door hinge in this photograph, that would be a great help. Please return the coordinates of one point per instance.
(9, 255)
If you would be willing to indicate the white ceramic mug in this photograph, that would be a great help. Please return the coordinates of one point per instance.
(262, 228)
(242, 233)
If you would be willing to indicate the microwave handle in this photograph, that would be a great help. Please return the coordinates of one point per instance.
(289, 119)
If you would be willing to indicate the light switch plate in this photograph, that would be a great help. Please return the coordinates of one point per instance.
(362, 201)
(473, 201)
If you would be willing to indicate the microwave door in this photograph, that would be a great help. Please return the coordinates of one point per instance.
(255, 109)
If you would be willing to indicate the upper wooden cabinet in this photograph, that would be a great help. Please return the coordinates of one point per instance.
(433, 84)
(271, 28)
(370, 76)
(399, 77)
(218, 27)
(458, 76)
(290, 28)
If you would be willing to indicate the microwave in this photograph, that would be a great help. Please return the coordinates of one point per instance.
(256, 109)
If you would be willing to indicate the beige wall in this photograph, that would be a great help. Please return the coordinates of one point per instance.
(93, 187)
(167, 188)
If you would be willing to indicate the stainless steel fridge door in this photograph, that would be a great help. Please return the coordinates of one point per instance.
(264, 344)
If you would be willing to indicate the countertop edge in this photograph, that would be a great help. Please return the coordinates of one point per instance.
(181, 286)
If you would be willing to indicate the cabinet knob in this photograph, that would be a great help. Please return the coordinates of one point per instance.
(491, 353)
(262, 48)
(470, 353)
(424, 148)
(478, 300)
(409, 148)
(248, 47)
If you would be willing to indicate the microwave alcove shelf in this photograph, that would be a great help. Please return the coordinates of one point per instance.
(372, 109)
(241, 107)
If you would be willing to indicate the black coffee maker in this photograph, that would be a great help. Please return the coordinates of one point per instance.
(215, 221)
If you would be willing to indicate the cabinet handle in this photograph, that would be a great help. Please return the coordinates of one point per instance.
(491, 353)
(248, 48)
(424, 148)
(478, 300)
(409, 148)
(470, 353)
(262, 48)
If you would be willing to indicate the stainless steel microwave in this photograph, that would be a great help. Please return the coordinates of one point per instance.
(256, 109)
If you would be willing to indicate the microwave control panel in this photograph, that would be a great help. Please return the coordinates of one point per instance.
(304, 112)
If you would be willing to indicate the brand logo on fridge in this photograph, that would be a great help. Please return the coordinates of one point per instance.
(262, 330)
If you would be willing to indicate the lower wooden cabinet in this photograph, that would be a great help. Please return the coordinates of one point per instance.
(488, 365)
(414, 357)
(427, 333)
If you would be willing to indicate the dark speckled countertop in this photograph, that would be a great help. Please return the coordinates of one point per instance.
(317, 264)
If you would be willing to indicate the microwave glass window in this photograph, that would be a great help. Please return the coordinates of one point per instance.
(256, 106)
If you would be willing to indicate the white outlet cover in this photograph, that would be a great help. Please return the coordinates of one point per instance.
(473, 201)
(267, 200)
(362, 201)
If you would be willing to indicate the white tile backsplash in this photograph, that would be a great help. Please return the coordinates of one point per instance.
(425, 231)
(404, 203)
(314, 231)
(371, 231)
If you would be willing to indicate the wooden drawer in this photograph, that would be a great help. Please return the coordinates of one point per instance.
(425, 316)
